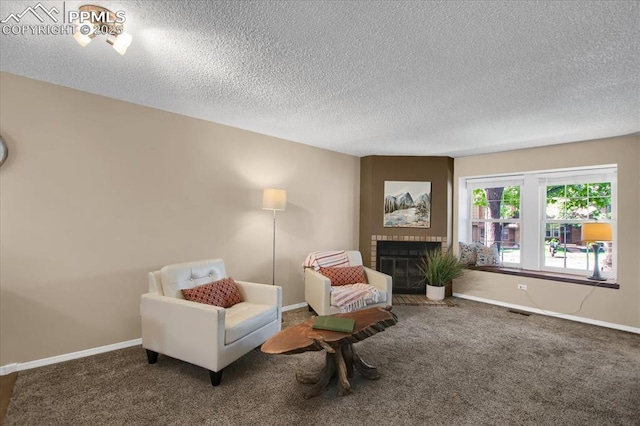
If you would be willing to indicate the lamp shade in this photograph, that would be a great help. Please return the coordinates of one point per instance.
(274, 199)
(596, 232)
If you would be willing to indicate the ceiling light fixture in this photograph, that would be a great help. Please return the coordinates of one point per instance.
(97, 20)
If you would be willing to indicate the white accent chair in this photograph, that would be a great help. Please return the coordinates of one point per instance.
(201, 334)
(317, 287)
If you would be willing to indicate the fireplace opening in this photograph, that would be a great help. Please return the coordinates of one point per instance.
(400, 260)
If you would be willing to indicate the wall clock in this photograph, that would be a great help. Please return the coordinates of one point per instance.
(4, 151)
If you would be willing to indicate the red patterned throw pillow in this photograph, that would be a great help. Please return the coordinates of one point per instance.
(345, 275)
(223, 293)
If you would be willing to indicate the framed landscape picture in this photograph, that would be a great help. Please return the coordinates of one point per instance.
(407, 204)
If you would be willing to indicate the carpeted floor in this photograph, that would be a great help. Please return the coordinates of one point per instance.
(474, 364)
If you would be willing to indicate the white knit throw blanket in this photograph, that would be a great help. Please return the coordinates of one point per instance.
(352, 297)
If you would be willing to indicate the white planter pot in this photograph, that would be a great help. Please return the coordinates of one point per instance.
(435, 293)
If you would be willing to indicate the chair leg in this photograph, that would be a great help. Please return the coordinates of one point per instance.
(152, 356)
(216, 377)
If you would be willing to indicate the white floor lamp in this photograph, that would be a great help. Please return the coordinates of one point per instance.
(276, 200)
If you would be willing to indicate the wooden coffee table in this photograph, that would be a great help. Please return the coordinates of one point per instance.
(340, 356)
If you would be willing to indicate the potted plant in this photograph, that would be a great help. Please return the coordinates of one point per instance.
(439, 267)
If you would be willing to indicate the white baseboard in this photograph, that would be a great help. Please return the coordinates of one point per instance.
(292, 307)
(615, 326)
(8, 369)
(11, 368)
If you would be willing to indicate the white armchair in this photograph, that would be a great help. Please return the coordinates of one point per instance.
(202, 334)
(317, 287)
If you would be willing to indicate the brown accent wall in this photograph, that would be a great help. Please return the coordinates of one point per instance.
(375, 170)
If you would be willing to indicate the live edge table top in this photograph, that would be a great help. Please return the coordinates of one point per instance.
(303, 337)
(341, 359)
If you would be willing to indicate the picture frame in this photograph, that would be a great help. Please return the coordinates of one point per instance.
(407, 204)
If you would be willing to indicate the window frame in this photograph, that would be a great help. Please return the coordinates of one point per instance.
(494, 182)
(598, 175)
(533, 218)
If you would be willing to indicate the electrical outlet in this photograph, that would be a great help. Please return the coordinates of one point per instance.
(522, 286)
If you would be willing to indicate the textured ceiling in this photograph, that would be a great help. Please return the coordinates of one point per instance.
(365, 78)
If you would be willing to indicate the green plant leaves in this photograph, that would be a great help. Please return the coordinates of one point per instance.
(440, 267)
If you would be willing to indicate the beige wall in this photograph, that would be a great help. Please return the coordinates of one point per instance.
(97, 192)
(616, 306)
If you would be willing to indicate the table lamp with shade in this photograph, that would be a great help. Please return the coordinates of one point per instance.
(595, 233)
(275, 200)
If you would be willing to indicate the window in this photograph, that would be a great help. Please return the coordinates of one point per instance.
(552, 231)
(535, 219)
(567, 207)
(496, 218)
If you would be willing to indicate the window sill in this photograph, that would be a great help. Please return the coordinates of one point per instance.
(551, 276)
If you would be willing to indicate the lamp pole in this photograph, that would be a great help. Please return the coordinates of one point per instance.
(274, 199)
(273, 265)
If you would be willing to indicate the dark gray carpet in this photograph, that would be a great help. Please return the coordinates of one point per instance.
(474, 364)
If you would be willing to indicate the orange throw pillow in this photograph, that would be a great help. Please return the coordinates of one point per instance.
(223, 293)
(345, 275)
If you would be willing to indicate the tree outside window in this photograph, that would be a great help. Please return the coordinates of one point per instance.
(567, 208)
(496, 219)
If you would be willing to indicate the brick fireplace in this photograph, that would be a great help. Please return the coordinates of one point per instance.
(398, 256)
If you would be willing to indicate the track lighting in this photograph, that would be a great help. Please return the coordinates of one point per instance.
(91, 21)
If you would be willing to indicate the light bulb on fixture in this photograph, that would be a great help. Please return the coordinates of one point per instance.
(120, 43)
(81, 34)
(82, 39)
